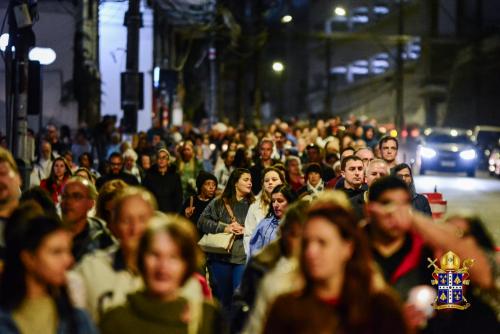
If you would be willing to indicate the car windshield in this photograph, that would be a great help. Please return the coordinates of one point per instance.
(439, 138)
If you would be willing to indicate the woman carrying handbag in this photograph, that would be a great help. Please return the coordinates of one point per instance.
(226, 214)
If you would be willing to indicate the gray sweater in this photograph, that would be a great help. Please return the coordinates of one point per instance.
(215, 218)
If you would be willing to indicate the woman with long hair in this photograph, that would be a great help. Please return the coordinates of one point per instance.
(294, 175)
(33, 296)
(340, 295)
(168, 257)
(59, 174)
(267, 229)
(227, 214)
(271, 177)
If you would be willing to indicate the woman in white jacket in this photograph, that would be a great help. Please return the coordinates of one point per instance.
(258, 210)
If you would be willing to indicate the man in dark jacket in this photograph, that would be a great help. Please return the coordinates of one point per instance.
(164, 183)
(89, 233)
(116, 172)
(399, 251)
(418, 201)
(353, 172)
(375, 170)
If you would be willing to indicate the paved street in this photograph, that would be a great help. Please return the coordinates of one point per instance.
(480, 194)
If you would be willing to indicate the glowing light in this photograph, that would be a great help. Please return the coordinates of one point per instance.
(286, 19)
(468, 154)
(156, 77)
(45, 56)
(339, 70)
(340, 11)
(361, 63)
(358, 70)
(454, 133)
(4, 41)
(278, 67)
(427, 152)
(381, 10)
(393, 133)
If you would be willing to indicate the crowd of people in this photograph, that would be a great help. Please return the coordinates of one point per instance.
(328, 235)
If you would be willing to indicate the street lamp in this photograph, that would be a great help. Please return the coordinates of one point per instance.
(4, 41)
(340, 11)
(278, 67)
(287, 19)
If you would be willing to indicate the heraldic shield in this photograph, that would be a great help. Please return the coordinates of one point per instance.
(450, 280)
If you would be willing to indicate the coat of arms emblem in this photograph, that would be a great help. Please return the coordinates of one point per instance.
(450, 280)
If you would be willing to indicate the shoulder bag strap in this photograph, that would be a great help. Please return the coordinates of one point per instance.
(230, 211)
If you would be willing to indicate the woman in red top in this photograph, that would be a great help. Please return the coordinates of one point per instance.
(54, 184)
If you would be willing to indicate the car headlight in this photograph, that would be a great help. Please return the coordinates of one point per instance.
(468, 154)
(427, 152)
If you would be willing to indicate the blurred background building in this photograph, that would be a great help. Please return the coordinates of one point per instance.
(410, 62)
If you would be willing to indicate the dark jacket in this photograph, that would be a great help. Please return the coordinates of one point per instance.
(95, 236)
(358, 204)
(199, 207)
(166, 188)
(143, 314)
(420, 203)
(407, 267)
(351, 192)
(215, 218)
(83, 324)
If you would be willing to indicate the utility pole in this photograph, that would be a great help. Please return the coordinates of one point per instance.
(212, 58)
(132, 81)
(399, 120)
(86, 75)
(328, 66)
(21, 14)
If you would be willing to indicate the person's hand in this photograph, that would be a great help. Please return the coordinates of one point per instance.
(236, 228)
(398, 215)
(188, 212)
(415, 318)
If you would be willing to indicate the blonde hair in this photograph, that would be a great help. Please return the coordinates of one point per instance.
(130, 192)
(6, 156)
(328, 198)
(265, 198)
(108, 193)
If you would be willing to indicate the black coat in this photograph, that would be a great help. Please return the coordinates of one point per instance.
(166, 188)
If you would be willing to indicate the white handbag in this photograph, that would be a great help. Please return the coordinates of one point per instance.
(219, 243)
